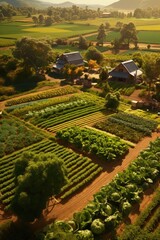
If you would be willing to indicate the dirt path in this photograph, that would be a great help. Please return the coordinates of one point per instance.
(78, 202)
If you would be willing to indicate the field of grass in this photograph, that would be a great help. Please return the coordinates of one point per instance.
(149, 22)
(143, 36)
(16, 30)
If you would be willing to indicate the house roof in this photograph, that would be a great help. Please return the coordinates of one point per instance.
(73, 58)
(70, 58)
(130, 67)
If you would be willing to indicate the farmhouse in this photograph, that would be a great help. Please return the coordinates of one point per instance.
(74, 58)
(106, 15)
(126, 71)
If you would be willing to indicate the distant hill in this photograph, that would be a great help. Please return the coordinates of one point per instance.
(24, 3)
(41, 4)
(131, 5)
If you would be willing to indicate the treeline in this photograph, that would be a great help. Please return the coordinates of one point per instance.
(57, 14)
(147, 13)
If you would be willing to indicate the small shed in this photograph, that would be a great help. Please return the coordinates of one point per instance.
(74, 58)
(126, 71)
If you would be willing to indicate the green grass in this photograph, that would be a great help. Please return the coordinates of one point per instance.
(16, 30)
(143, 36)
(149, 22)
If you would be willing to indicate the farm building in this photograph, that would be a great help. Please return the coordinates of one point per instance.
(106, 15)
(126, 71)
(74, 58)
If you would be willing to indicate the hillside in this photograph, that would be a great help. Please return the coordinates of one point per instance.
(24, 3)
(41, 4)
(131, 5)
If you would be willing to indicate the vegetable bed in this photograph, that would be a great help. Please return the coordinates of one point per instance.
(80, 169)
(93, 142)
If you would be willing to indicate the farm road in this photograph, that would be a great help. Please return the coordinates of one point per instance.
(79, 201)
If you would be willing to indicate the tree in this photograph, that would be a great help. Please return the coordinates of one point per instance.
(112, 100)
(48, 21)
(107, 25)
(35, 20)
(72, 72)
(34, 53)
(41, 19)
(129, 34)
(92, 64)
(94, 54)
(82, 42)
(103, 76)
(1, 17)
(119, 25)
(116, 45)
(101, 34)
(37, 178)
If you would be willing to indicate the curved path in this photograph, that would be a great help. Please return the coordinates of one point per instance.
(79, 201)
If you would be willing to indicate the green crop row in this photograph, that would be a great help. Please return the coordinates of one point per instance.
(22, 109)
(75, 165)
(150, 124)
(43, 95)
(69, 116)
(37, 120)
(56, 109)
(93, 142)
(146, 221)
(132, 121)
(120, 130)
(82, 183)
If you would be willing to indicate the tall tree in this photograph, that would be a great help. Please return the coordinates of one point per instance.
(35, 20)
(34, 53)
(101, 34)
(129, 34)
(41, 19)
(37, 178)
(82, 42)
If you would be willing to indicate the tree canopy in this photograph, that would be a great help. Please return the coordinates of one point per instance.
(34, 53)
(94, 54)
(37, 178)
(129, 34)
(101, 34)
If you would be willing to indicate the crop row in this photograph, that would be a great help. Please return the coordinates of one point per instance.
(75, 165)
(120, 130)
(56, 109)
(82, 182)
(60, 113)
(47, 94)
(87, 120)
(69, 116)
(93, 142)
(138, 123)
(22, 109)
(114, 201)
(146, 222)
